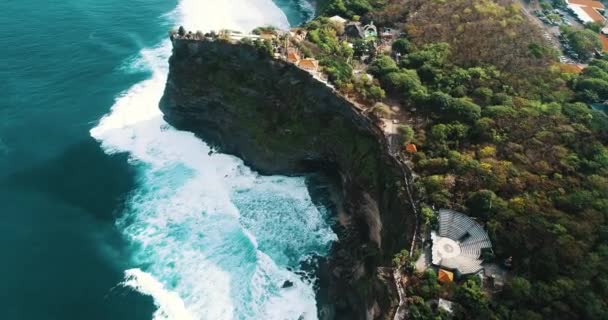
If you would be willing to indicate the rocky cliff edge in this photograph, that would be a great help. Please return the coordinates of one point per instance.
(280, 120)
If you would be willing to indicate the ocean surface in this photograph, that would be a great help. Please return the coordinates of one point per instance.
(106, 211)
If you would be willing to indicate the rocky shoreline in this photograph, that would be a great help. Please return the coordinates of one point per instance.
(280, 120)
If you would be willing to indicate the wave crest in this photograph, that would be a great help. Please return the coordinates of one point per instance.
(216, 240)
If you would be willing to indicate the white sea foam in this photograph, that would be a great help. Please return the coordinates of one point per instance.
(214, 239)
(307, 7)
(169, 304)
(242, 15)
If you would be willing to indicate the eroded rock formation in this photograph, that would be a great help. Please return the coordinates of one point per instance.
(280, 120)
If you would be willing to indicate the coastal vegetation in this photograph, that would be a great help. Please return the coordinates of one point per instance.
(501, 132)
(504, 135)
(592, 84)
(584, 42)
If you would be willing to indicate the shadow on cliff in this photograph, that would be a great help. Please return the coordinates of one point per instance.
(280, 120)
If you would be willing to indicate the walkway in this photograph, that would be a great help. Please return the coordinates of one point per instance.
(401, 281)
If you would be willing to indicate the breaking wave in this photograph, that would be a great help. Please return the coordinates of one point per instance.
(212, 239)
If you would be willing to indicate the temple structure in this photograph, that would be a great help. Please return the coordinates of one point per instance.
(458, 243)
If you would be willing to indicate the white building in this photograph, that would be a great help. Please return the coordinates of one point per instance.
(338, 20)
(587, 10)
(458, 243)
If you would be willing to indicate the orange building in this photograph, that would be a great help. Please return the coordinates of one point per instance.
(292, 55)
(411, 148)
(309, 64)
(587, 10)
(445, 276)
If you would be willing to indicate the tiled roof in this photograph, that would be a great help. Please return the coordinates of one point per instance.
(593, 14)
(587, 3)
(309, 64)
(292, 56)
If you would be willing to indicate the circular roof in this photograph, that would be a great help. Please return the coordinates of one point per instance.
(458, 242)
(447, 248)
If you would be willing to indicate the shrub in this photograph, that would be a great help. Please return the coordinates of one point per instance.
(407, 133)
(404, 82)
(375, 93)
(383, 65)
(402, 46)
(401, 258)
(583, 42)
(382, 110)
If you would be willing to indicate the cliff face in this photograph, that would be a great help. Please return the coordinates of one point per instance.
(280, 120)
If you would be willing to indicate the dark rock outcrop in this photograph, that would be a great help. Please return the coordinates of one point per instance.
(280, 120)
(287, 284)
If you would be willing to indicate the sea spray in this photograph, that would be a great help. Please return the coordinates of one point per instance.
(169, 304)
(214, 239)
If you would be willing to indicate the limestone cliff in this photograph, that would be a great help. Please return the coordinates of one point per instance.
(280, 120)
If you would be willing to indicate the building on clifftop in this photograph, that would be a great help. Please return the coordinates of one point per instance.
(458, 243)
(292, 55)
(587, 10)
(309, 64)
(338, 20)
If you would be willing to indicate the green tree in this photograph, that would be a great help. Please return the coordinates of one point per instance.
(264, 47)
(403, 82)
(428, 215)
(401, 258)
(435, 54)
(519, 289)
(597, 86)
(594, 26)
(584, 42)
(375, 93)
(407, 133)
(429, 287)
(336, 7)
(464, 109)
(419, 310)
(382, 65)
(382, 110)
(480, 203)
(472, 298)
(402, 46)
(338, 71)
(360, 47)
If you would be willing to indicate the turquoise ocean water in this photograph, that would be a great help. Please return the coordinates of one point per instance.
(106, 212)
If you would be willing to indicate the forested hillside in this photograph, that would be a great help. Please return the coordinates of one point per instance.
(502, 134)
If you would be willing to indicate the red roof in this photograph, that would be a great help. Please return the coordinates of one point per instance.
(309, 64)
(604, 41)
(292, 56)
(593, 14)
(445, 276)
(587, 3)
